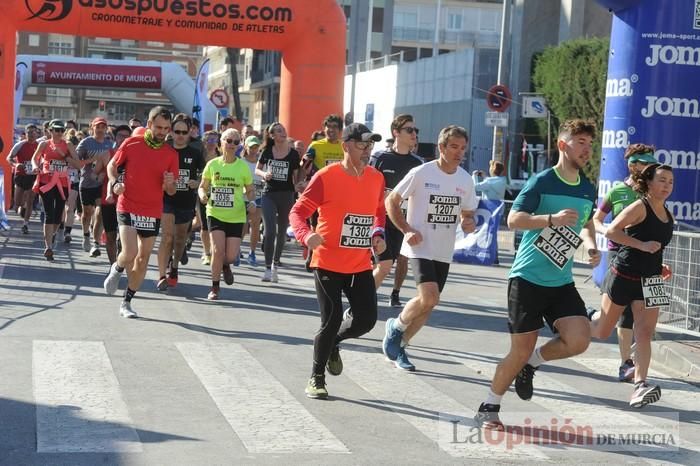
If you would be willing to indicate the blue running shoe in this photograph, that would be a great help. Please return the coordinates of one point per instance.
(391, 344)
(402, 361)
(252, 261)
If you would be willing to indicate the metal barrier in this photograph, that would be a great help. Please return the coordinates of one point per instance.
(683, 256)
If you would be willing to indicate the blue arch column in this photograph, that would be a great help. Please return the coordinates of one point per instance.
(653, 96)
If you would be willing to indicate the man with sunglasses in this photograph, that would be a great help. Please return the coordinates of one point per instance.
(395, 163)
(638, 156)
(441, 196)
(349, 197)
(135, 123)
(178, 209)
(150, 167)
(92, 147)
(20, 158)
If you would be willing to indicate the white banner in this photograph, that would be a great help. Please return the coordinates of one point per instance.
(201, 91)
(19, 88)
(4, 225)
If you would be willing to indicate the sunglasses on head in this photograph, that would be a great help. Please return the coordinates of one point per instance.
(181, 132)
(410, 130)
(233, 141)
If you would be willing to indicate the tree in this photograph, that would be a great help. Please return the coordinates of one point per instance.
(572, 77)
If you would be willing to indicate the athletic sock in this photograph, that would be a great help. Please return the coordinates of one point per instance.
(162, 277)
(395, 292)
(216, 284)
(399, 324)
(118, 268)
(68, 230)
(536, 358)
(492, 398)
(128, 294)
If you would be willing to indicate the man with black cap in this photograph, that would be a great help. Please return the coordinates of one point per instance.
(349, 197)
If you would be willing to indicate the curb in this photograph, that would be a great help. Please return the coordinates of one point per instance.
(665, 357)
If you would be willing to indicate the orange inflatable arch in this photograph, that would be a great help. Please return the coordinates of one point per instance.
(309, 33)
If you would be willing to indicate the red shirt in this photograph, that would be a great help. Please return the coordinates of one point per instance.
(349, 209)
(23, 152)
(143, 178)
(53, 160)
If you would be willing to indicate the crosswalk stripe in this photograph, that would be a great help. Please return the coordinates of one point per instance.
(79, 404)
(262, 412)
(432, 411)
(585, 410)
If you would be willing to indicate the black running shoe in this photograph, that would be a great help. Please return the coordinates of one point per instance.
(25, 230)
(487, 417)
(228, 275)
(335, 364)
(394, 301)
(523, 382)
(185, 258)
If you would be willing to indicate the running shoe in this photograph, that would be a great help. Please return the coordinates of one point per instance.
(213, 294)
(644, 394)
(252, 260)
(274, 278)
(487, 417)
(162, 284)
(590, 312)
(67, 238)
(206, 259)
(190, 240)
(316, 388)
(267, 276)
(86, 243)
(25, 230)
(126, 311)
(172, 278)
(523, 382)
(95, 251)
(228, 274)
(394, 301)
(391, 344)
(347, 314)
(111, 283)
(626, 373)
(48, 254)
(335, 364)
(277, 263)
(185, 258)
(402, 361)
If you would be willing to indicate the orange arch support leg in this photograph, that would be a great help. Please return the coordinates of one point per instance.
(8, 47)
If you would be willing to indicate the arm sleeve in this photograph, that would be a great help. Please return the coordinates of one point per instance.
(307, 204)
(529, 198)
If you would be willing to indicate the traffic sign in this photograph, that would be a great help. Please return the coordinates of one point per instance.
(498, 119)
(219, 98)
(534, 107)
(498, 98)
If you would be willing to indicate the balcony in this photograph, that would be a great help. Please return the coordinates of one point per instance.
(477, 39)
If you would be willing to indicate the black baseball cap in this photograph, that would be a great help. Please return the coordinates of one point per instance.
(359, 132)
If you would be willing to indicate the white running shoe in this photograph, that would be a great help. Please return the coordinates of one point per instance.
(86, 243)
(274, 278)
(267, 276)
(111, 283)
(126, 311)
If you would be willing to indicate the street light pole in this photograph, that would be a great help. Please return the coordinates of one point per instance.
(497, 154)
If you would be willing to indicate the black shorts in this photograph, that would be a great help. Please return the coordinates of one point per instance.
(25, 182)
(430, 271)
(89, 196)
(626, 318)
(231, 230)
(181, 215)
(621, 291)
(203, 215)
(109, 217)
(146, 227)
(528, 304)
(393, 238)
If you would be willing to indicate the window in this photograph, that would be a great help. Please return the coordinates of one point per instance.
(56, 95)
(128, 43)
(378, 20)
(406, 19)
(60, 48)
(34, 40)
(32, 90)
(490, 20)
(454, 20)
(181, 46)
(151, 43)
(103, 40)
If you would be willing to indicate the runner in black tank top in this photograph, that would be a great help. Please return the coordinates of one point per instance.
(636, 275)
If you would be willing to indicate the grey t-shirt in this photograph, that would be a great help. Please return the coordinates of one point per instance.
(88, 148)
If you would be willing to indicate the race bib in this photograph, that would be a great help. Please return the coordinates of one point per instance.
(182, 180)
(356, 231)
(27, 167)
(141, 222)
(558, 244)
(443, 210)
(58, 166)
(258, 189)
(221, 197)
(279, 169)
(654, 292)
(74, 175)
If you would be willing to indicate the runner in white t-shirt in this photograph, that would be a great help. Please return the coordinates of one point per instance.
(440, 196)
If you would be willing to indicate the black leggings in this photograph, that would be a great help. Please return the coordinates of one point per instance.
(54, 205)
(361, 293)
(276, 206)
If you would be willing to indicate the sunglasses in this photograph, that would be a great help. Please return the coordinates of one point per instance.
(181, 132)
(58, 130)
(364, 145)
(212, 141)
(233, 141)
(410, 130)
